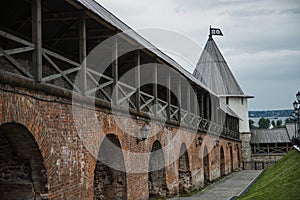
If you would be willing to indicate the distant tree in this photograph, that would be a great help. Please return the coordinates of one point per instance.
(273, 123)
(279, 123)
(289, 120)
(252, 124)
(263, 123)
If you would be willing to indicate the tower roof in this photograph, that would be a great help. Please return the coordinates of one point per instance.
(214, 72)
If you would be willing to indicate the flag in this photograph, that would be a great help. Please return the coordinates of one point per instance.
(215, 31)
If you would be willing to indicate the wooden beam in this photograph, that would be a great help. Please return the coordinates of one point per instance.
(188, 101)
(90, 14)
(169, 93)
(17, 65)
(155, 90)
(179, 98)
(82, 53)
(15, 38)
(36, 18)
(138, 80)
(17, 50)
(115, 67)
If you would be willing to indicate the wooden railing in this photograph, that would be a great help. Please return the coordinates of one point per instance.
(60, 71)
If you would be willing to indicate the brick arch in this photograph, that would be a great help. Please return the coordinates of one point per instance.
(184, 172)
(23, 164)
(157, 172)
(110, 172)
(23, 111)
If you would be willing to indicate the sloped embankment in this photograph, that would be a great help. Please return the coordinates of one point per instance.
(280, 181)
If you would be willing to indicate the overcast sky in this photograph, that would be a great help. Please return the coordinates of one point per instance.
(261, 41)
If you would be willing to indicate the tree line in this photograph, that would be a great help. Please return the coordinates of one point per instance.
(265, 123)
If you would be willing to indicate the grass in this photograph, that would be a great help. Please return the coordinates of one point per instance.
(280, 181)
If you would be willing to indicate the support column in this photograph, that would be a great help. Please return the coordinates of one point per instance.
(207, 107)
(115, 67)
(169, 94)
(82, 53)
(196, 107)
(201, 105)
(36, 18)
(138, 81)
(179, 98)
(155, 89)
(188, 103)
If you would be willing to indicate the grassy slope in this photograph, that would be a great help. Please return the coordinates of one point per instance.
(280, 181)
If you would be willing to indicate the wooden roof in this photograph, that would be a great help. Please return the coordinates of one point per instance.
(99, 10)
(290, 127)
(214, 72)
(267, 136)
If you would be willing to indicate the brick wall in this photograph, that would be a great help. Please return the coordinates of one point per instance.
(70, 160)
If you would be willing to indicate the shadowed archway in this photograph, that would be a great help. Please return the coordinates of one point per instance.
(222, 162)
(157, 172)
(238, 156)
(184, 174)
(206, 165)
(22, 170)
(109, 174)
(231, 158)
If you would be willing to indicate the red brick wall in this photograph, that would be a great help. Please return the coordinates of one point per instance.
(69, 161)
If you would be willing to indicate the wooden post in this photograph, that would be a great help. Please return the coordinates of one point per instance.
(169, 94)
(82, 53)
(115, 70)
(36, 15)
(202, 111)
(207, 107)
(155, 88)
(138, 80)
(179, 98)
(188, 102)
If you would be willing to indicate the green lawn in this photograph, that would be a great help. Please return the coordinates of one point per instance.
(280, 181)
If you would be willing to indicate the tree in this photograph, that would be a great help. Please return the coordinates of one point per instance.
(252, 124)
(263, 123)
(273, 123)
(279, 123)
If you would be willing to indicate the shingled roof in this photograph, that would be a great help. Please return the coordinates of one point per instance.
(214, 72)
(267, 136)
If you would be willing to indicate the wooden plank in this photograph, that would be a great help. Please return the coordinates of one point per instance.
(60, 71)
(17, 65)
(99, 74)
(36, 17)
(55, 76)
(100, 87)
(17, 50)
(55, 55)
(15, 38)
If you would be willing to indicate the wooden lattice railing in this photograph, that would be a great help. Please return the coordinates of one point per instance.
(60, 71)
